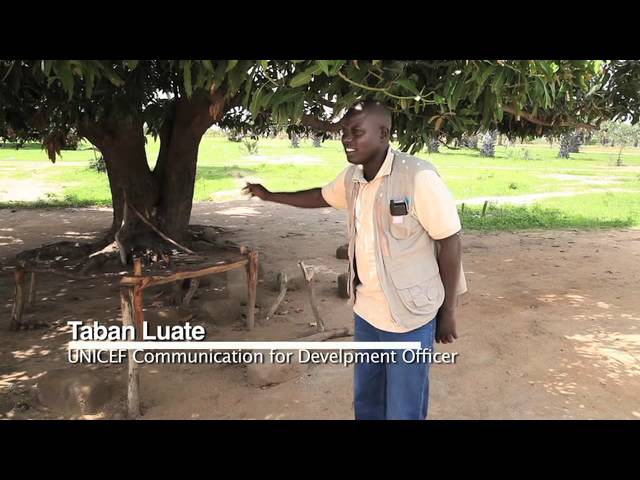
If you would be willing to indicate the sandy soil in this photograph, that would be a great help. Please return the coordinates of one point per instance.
(549, 330)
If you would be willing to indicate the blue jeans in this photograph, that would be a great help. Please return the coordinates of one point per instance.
(392, 391)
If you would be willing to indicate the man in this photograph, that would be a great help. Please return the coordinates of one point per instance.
(404, 258)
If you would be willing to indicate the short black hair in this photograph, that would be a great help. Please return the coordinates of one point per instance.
(371, 107)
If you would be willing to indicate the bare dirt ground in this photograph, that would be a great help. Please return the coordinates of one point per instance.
(549, 330)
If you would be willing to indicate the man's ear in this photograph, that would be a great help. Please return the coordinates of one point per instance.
(384, 133)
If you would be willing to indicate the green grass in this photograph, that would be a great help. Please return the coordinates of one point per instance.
(223, 168)
(585, 212)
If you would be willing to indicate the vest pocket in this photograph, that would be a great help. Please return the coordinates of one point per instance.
(419, 295)
(404, 230)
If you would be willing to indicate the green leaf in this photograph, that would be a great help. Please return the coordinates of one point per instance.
(46, 66)
(248, 86)
(284, 96)
(547, 100)
(113, 77)
(267, 99)
(300, 79)
(481, 81)
(455, 94)
(324, 65)
(63, 72)
(336, 66)
(255, 102)
(407, 84)
(235, 79)
(91, 78)
(496, 86)
(230, 65)
(188, 86)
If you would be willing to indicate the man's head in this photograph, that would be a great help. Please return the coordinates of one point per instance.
(365, 132)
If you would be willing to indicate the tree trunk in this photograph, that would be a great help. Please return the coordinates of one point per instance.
(176, 167)
(489, 144)
(164, 196)
(123, 149)
(130, 175)
(565, 146)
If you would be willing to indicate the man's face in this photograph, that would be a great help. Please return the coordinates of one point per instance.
(363, 137)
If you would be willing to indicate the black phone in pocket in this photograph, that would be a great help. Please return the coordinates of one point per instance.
(398, 208)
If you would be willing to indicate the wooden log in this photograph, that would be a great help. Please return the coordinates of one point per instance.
(63, 273)
(153, 280)
(193, 287)
(133, 378)
(343, 285)
(252, 286)
(326, 335)
(32, 289)
(308, 276)
(283, 291)
(18, 302)
(176, 290)
(342, 252)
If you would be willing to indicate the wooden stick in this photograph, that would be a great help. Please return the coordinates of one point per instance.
(281, 295)
(63, 273)
(121, 249)
(133, 378)
(252, 285)
(18, 302)
(177, 293)
(326, 335)
(308, 277)
(155, 229)
(32, 289)
(138, 299)
(153, 280)
(193, 287)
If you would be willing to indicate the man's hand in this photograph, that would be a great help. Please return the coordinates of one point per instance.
(445, 326)
(256, 190)
(311, 198)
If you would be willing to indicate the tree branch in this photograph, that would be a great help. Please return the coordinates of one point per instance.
(165, 134)
(322, 125)
(531, 119)
(155, 229)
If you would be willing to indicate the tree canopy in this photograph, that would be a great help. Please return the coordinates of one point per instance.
(43, 99)
(115, 103)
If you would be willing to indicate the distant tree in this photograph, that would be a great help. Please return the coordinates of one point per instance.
(620, 134)
(489, 144)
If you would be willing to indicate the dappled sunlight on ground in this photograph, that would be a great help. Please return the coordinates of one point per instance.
(9, 379)
(616, 353)
(23, 190)
(239, 211)
(8, 240)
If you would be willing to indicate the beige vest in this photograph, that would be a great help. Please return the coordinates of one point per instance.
(406, 256)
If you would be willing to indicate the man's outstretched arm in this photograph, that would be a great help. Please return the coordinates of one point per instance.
(304, 198)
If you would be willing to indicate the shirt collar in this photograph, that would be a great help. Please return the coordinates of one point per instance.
(385, 168)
